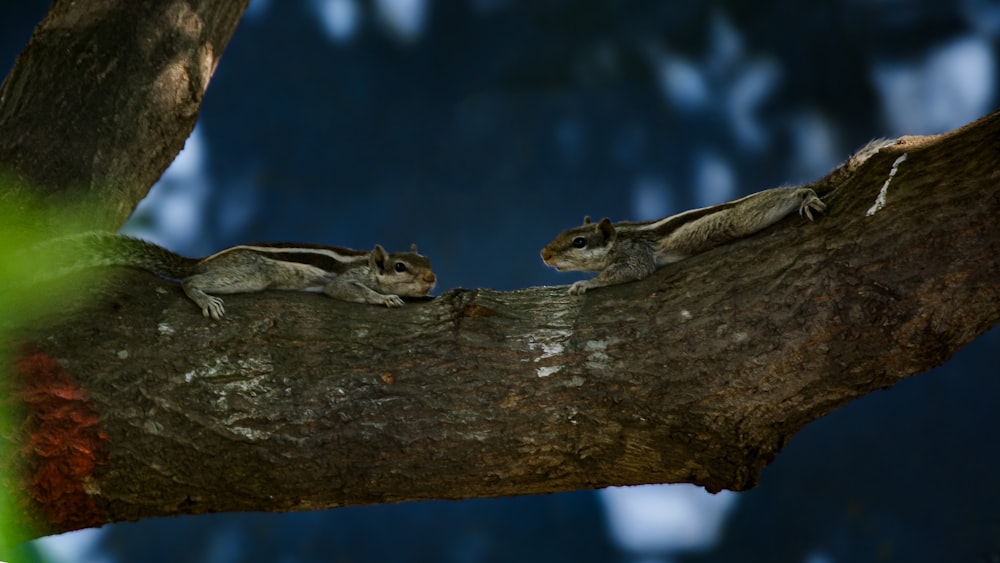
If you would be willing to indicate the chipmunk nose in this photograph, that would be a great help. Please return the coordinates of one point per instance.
(430, 278)
(546, 254)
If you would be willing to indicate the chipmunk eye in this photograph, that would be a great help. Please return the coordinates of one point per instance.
(400, 267)
(579, 242)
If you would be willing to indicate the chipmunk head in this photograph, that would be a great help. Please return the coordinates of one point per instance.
(402, 273)
(584, 248)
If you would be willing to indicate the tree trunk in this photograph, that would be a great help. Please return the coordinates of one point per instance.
(139, 407)
(109, 90)
(699, 374)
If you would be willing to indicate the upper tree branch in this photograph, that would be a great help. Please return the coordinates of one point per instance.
(104, 96)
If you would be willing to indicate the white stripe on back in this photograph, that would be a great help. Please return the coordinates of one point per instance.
(293, 250)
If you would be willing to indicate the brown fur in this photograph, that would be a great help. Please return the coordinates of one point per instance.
(623, 252)
(375, 276)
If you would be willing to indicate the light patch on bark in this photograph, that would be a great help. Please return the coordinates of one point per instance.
(545, 371)
(597, 359)
(245, 370)
(549, 341)
(880, 199)
(250, 433)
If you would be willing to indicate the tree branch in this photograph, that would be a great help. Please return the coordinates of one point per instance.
(699, 374)
(109, 90)
(139, 407)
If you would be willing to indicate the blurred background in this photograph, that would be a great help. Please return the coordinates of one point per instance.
(479, 129)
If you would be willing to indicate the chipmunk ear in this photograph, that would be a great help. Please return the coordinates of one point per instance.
(377, 259)
(413, 248)
(606, 229)
(586, 219)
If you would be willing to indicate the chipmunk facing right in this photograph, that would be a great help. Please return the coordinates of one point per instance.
(375, 276)
(624, 252)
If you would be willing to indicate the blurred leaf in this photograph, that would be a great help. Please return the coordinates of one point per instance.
(30, 286)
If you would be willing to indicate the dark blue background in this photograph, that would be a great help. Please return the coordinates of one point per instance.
(496, 123)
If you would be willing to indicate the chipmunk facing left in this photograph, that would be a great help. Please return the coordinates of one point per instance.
(375, 276)
(624, 252)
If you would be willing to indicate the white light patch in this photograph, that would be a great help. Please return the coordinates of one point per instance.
(951, 86)
(80, 545)
(174, 204)
(339, 18)
(680, 80)
(750, 88)
(653, 518)
(650, 198)
(714, 179)
(404, 18)
(815, 146)
(880, 199)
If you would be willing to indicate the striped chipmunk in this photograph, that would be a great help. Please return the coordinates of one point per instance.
(624, 252)
(376, 276)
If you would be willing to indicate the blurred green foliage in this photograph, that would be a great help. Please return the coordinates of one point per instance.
(31, 287)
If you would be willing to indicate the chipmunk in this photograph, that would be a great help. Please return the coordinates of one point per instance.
(375, 277)
(624, 252)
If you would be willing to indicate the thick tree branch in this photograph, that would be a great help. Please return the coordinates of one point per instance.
(699, 374)
(109, 90)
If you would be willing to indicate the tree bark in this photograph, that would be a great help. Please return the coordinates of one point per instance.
(699, 374)
(109, 90)
(139, 407)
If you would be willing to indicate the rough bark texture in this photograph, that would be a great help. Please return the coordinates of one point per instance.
(699, 374)
(109, 90)
(140, 407)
